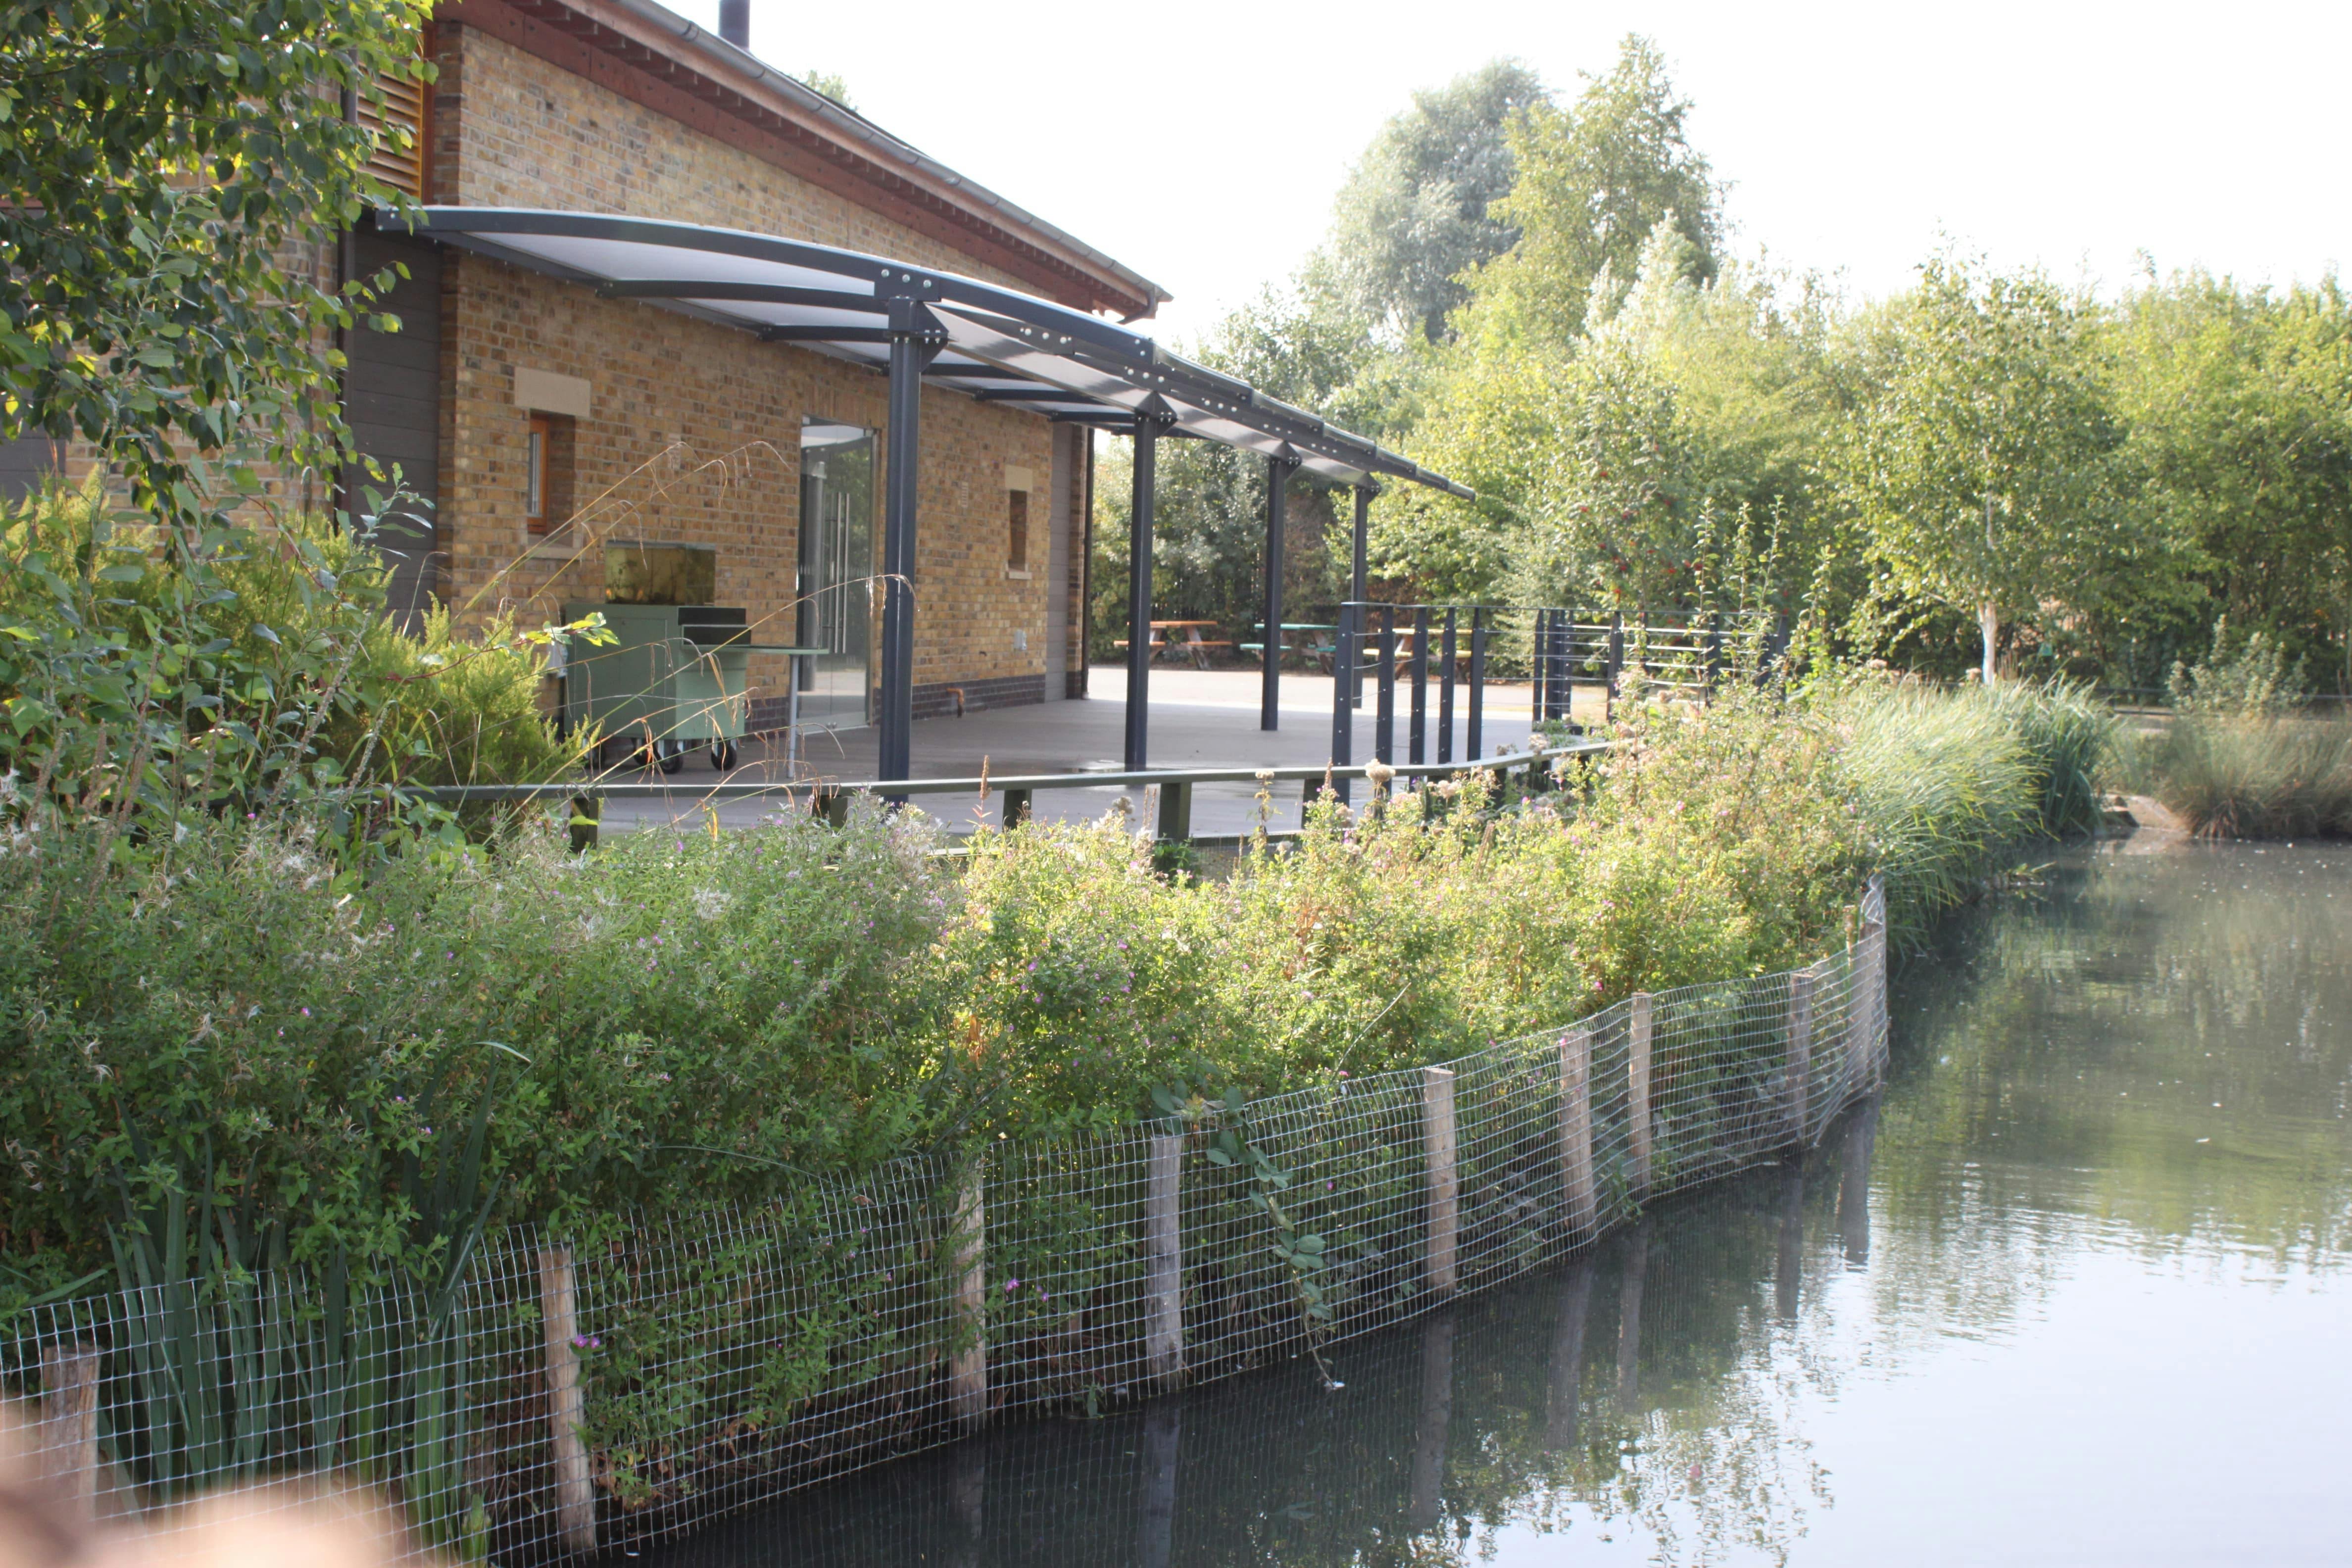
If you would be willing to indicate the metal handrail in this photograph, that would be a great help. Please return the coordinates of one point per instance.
(461, 795)
(587, 796)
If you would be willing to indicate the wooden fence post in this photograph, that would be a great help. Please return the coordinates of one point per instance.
(1438, 1144)
(1576, 1132)
(1801, 1052)
(1163, 1266)
(587, 810)
(968, 1371)
(1637, 1085)
(559, 1312)
(1175, 821)
(70, 1380)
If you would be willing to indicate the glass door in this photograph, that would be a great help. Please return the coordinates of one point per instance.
(836, 574)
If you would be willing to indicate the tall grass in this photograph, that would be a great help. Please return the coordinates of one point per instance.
(2254, 776)
(1948, 782)
(2068, 736)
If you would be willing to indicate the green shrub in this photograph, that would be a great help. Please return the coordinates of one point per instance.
(143, 674)
(700, 1014)
(2069, 738)
(703, 1015)
(2238, 759)
(2254, 776)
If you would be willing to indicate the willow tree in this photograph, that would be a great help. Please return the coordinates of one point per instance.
(1979, 465)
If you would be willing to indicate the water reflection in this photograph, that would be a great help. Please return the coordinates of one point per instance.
(2095, 1316)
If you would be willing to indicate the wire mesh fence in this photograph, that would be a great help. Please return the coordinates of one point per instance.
(551, 1402)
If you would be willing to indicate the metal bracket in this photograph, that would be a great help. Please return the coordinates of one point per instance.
(1155, 409)
(911, 318)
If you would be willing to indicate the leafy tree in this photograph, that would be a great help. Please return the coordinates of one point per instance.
(1982, 465)
(1595, 180)
(1612, 468)
(171, 175)
(2239, 407)
(1414, 214)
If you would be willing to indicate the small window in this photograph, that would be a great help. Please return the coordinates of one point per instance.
(547, 473)
(1016, 532)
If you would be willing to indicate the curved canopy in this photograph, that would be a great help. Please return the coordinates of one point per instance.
(1002, 345)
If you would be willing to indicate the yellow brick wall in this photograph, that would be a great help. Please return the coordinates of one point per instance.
(694, 429)
(693, 436)
(528, 133)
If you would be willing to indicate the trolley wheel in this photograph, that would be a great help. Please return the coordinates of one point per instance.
(672, 755)
(723, 755)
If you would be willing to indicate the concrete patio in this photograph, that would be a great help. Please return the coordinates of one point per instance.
(1199, 719)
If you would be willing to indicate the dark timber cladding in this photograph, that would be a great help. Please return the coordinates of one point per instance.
(391, 400)
(25, 464)
(980, 340)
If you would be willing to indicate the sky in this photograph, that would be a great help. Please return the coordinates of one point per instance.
(1202, 145)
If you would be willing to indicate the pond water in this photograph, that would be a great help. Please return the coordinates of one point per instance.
(2073, 1291)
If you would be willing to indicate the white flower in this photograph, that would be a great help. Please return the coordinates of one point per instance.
(711, 903)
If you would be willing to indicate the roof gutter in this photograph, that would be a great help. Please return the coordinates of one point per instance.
(855, 127)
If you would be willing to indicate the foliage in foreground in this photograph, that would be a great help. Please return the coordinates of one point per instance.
(146, 682)
(701, 1014)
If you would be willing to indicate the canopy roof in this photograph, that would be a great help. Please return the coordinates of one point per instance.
(1002, 346)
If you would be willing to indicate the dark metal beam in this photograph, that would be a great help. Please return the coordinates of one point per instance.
(1150, 420)
(1362, 547)
(1030, 394)
(915, 337)
(826, 336)
(1278, 469)
(749, 293)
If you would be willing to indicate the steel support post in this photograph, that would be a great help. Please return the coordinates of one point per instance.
(1278, 469)
(1474, 736)
(1445, 692)
(1417, 747)
(1562, 700)
(1384, 716)
(915, 339)
(1540, 699)
(1150, 420)
(1343, 689)
(1616, 660)
(1363, 545)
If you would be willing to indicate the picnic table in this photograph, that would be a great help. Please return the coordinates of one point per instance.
(1164, 640)
(1323, 649)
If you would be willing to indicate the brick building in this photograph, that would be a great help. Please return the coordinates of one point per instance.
(652, 424)
(663, 292)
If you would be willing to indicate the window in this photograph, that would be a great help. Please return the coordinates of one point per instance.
(407, 106)
(1016, 532)
(547, 473)
(534, 484)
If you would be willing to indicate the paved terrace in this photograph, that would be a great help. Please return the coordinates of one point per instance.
(1199, 719)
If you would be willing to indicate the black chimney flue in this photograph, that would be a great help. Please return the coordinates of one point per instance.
(735, 21)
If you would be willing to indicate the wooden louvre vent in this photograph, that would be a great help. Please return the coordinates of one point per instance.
(406, 104)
